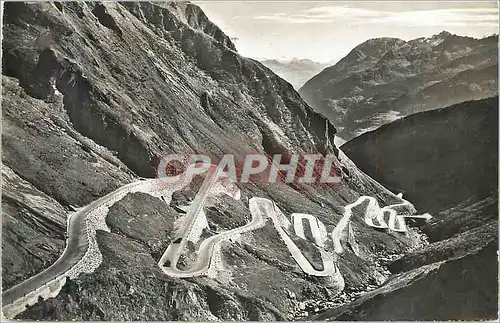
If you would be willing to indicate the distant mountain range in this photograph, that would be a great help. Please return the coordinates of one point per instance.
(296, 71)
(384, 79)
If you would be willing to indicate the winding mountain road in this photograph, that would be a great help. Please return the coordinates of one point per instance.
(329, 266)
(82, 254)
(80, 245)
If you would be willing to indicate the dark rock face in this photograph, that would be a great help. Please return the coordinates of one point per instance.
(33, 226)
(454, 247)
(384, 79)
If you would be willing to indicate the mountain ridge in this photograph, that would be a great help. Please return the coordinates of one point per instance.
(386, 78)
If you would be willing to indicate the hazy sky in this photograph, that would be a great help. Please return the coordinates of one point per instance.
(328, 30)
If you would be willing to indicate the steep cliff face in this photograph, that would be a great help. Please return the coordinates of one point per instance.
(33, 226)
(94, 94)
(384, 79)
(113, 80)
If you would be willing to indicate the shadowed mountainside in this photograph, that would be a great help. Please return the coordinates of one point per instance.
(437, 158)
(446, 161)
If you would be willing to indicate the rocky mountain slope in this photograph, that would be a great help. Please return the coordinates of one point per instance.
(384, 79)
(471, 281)
(95, 94)
(454, 176)
(295, 71)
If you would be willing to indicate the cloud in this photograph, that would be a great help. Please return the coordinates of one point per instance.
(342, 12)
(324, 14)
(293, 19)
(479, 17)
